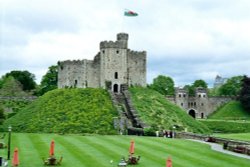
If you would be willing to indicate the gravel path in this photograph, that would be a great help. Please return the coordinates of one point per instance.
(218, 147)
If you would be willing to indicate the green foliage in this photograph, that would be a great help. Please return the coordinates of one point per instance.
(49, 80)
(154, 109)
(232, 87)
(11, 87)
(25, 78)
(233, 110)
(245, 93)
(163, 85)
(213, 91)
(196, 84)
(14, 106)
(67, 111)
(223, 126)
(2, 116)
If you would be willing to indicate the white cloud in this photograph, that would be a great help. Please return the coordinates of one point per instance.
(186, 40)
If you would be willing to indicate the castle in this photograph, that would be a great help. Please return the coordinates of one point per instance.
(200, 105)
(115, 67)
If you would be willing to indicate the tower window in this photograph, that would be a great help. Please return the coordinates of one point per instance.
(117, 51)
(103, 51)
(116, 75)
(179, 95)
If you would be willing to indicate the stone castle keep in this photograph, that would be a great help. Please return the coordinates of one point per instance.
(115, 67)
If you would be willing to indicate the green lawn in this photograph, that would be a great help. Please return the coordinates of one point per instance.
(237, 136)
(95, 151)
(231, 111)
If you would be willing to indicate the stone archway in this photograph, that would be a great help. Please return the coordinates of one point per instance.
(115, 88)
(192, 113)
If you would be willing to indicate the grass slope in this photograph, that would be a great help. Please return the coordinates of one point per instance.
(154, 109)
(93, 151)
(67, 111)
(227, 126)
(237, 136)
(231, 111)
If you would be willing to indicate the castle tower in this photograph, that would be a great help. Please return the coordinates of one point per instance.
(113, 67)
(114, 63)
(181, 97)
(201, 102)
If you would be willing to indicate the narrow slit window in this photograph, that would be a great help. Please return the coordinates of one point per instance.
(116, 75)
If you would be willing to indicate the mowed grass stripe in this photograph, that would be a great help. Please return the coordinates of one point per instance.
(29, 154)
(94, 147)
(77, 149)
(103, 148)
(148, 157)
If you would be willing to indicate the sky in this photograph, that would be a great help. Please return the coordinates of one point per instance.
(186, 40)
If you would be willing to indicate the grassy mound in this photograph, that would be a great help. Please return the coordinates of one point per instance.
(231, 111)
(155, 110)
(67, 111)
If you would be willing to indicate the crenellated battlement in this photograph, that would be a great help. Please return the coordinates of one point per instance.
(73, 62)
(112, 44)
(137, 53)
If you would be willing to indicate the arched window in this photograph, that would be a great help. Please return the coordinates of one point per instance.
(116, 75)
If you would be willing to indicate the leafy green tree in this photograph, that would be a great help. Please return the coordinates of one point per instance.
(163, 84)
(25, 78)
(12, 87)
(245, 93)
(196, 84)
(232, 87)
(49, 80)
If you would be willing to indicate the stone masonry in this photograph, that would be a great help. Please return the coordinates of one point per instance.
(199, 106)
(114, 67)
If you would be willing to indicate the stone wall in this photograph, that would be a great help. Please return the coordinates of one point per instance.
(137, 68)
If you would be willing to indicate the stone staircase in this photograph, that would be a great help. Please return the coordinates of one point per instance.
(129, 121)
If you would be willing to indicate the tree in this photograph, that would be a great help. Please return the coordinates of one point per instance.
(245, 93)
(49, 80)
(196, 84)
(25, 78)
(11, 87)
(163, 84)
(232, 87)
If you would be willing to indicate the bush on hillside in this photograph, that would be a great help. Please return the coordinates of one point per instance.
(67, 111)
